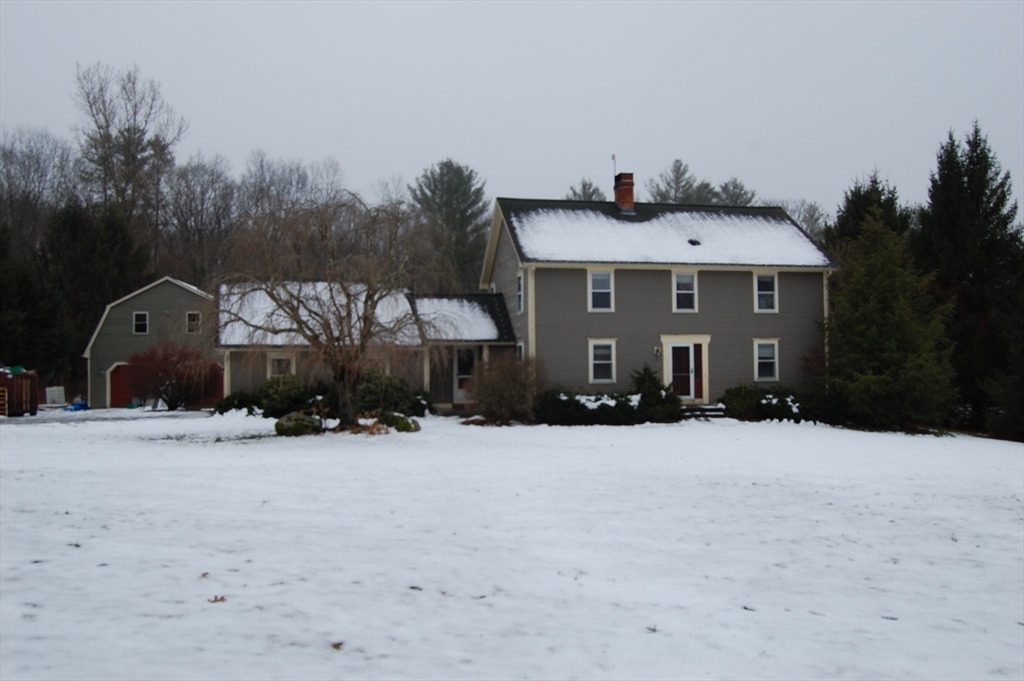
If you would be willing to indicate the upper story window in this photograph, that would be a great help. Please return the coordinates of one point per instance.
(519, 292)
(140, 323)
(684, 292)
(601, 289)
(193, 322)
(766, 293)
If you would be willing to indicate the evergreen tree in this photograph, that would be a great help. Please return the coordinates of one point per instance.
(587, 191)
(673, 185)
(88, 260)
(451, 197)
(732, 192)
(888, 357)
(968, 238)
(858, 203)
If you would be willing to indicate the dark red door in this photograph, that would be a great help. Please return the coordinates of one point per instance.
(681, 369)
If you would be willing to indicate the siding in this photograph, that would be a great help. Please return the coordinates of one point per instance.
(503, 276)
(166, 304)
(643, 312)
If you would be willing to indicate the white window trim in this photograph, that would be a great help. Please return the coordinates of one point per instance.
(775, 296)
(520, 292)
(591, 342)
(140, 333)
(696, 295)
(766, 341)
(590, 289)
(520, 352)
(199, 327)
(271, 356)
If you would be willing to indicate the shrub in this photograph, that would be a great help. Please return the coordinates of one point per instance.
(657, 403)
(177, 374)
(506, 388)
(387, 392)
(557, 407)
(282, 395)
(240, 400)
(743, 402)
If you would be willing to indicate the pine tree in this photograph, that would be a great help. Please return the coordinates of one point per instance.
(451, 196)
(858, 203)
(674, 185)
(888, 357)
(733, 192)
(969, 240)
(89, 260)
(587, 191)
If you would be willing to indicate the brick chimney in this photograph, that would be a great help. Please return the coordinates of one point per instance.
(624, 192)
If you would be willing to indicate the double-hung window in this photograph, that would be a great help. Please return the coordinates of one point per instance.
(766, 293)
(193, 322)
(766, 359)
(602, 360)
(601, 290)
(519, 293)
(140, 323)
(684, 292)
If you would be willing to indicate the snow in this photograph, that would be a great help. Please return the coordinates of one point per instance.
(456, 319)
(588, 236)
(712, 549)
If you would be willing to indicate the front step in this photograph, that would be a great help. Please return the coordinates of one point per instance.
(710, 412)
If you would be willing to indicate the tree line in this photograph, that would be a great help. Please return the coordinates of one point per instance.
(926, 319)
(87, 220)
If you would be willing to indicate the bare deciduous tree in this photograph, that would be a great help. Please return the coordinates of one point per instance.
(325, 271)
(37, 177)
(126, 142)
(201, 220)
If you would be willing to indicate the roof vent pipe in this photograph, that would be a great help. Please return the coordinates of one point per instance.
(624, 192)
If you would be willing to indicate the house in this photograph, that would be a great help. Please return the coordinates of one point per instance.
(710, 297)
(168, 310)
(434, 342)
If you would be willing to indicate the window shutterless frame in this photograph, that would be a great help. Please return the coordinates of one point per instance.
(766, 359)
(193, 322)
(600, 291)
(140, 323)
(601, 357)
(684, 291)
(766, 292)
(519, 293)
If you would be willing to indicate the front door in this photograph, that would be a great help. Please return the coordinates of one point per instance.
(465, 362)
(682, 370)
(687, 373)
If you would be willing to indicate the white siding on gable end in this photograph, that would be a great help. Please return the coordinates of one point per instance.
(584, 236)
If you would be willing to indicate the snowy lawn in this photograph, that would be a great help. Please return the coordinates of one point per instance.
(140, 546)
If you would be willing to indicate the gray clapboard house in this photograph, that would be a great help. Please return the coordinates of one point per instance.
(168, 310)
(711, 297)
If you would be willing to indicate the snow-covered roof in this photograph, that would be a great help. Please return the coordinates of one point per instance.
(249, 316)
(597, 232)
(456, 319)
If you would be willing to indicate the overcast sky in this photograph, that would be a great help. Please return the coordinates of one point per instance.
(796, 99)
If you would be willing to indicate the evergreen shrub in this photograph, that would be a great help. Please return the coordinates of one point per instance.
(657, 403)
(387, 392)
(282, 395)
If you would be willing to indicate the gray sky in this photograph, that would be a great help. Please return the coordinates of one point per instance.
(796, 99)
